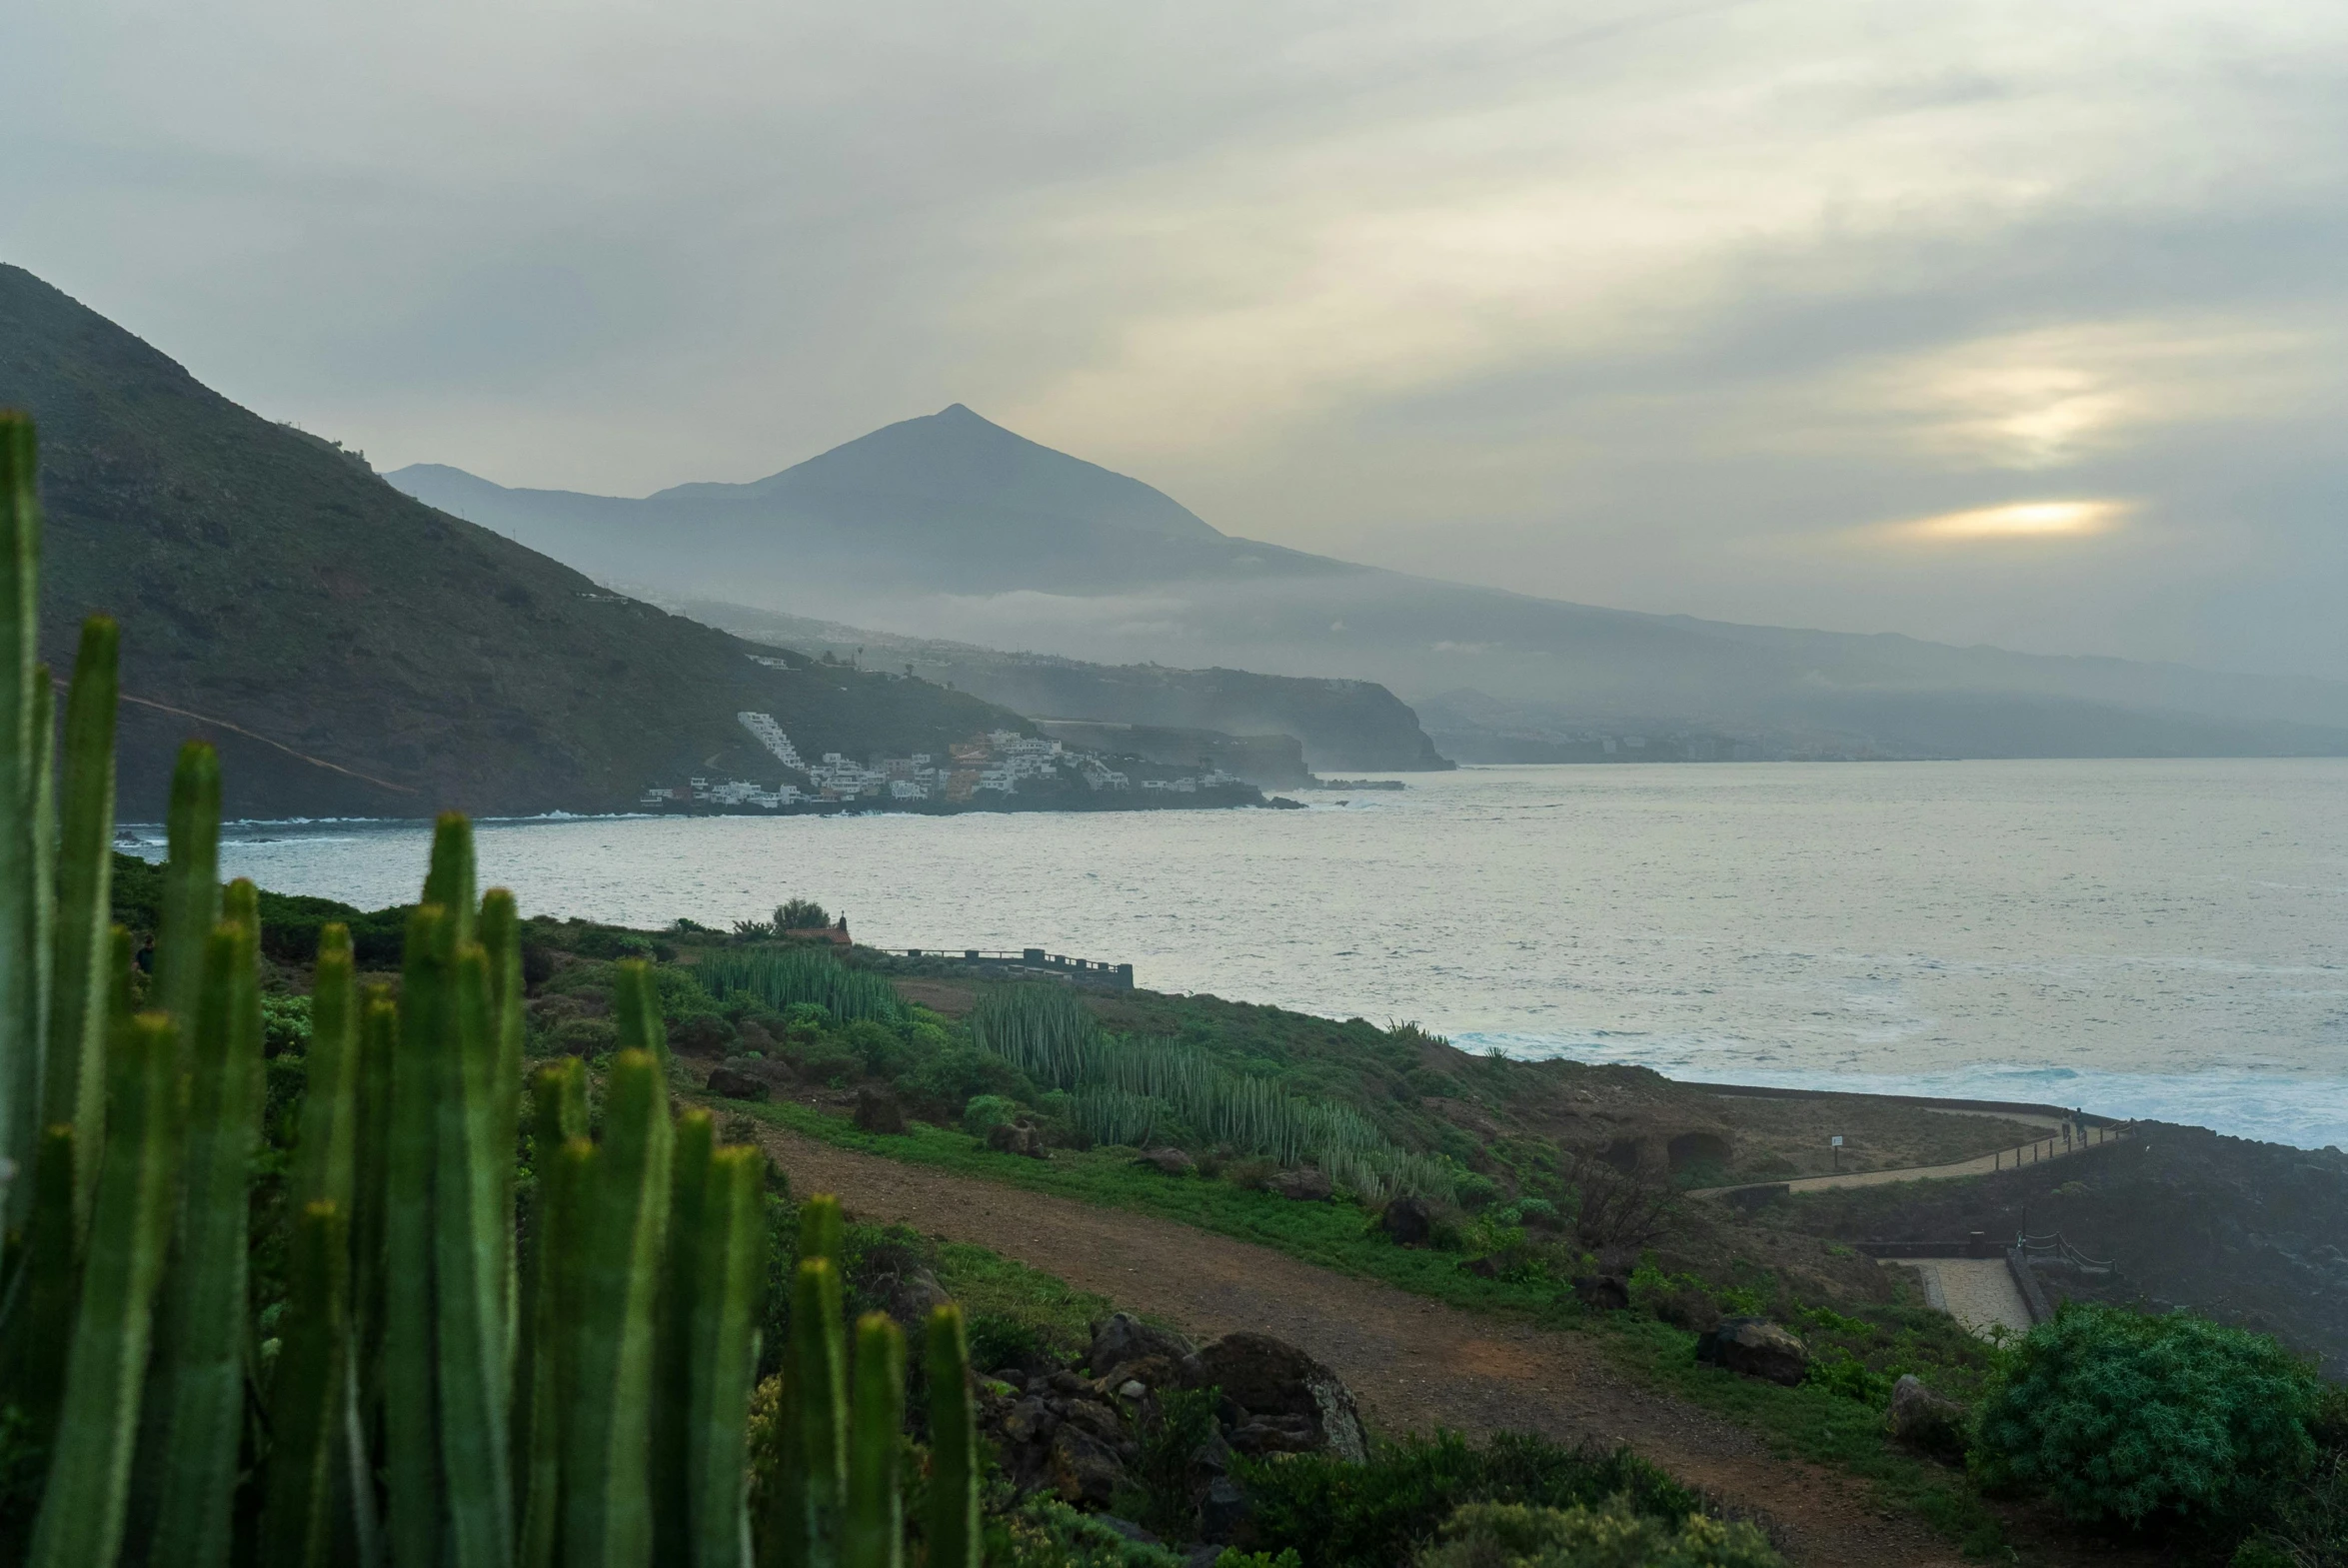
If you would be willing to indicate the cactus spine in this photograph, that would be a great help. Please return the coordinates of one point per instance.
(21, 832)
(953, 1445)
(305, 1401)
(873, 1534)
(74, 1092)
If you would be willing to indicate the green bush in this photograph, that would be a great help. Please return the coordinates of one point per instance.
(2125, 1417)
(1612, 1535)
(1046, 1533)
(1182, 1421)
(1374, 1515)
(987, 1112)
(2309, 1525)
(956, 1075)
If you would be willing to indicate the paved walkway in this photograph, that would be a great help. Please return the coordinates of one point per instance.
(1981, 1166)
(1978, 1293)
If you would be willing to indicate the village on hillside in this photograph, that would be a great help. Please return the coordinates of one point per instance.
(997, 770)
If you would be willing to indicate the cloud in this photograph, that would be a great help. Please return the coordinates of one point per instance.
(1604, 300)
(2016, 521)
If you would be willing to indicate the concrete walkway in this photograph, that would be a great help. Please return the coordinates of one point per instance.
(1978, 1293)
(1981, 1166)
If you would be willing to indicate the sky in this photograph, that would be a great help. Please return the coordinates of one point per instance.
(2011, 322)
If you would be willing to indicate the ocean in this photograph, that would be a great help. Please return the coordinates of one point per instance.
(2142, 938)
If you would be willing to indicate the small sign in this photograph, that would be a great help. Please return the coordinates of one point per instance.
(1836, 1140)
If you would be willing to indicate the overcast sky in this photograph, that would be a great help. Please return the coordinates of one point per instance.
(2016, 323)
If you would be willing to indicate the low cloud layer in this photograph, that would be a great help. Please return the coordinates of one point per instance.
(1719, 308)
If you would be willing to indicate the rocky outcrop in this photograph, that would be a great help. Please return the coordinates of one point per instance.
(1289, 1402)
(1928, 1422)
(1017, 1137)
(1407, 1221)
(876, 1110)
(1755, 1347)
(1302, 1185)
(1169, 1162)
(735, 1085)
(1126, 1349)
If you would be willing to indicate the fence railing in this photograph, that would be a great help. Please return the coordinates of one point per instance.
(1036, 958)
(2073, 1139)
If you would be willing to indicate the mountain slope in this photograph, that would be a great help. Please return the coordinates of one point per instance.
(952, 527)
(354, 651)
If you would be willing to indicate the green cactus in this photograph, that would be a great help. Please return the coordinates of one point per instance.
(953, 1445)
(873, 1531)
(74, 1086)
(624, 1204)
(22, 833)
(730, 1250)
(88, 1483)
(200, 1363)
(491, 1414)
(306, 1398)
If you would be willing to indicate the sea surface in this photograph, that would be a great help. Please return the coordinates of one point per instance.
(2142, 938)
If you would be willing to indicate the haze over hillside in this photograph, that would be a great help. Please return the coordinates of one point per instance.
(949, 526)
(353, 652)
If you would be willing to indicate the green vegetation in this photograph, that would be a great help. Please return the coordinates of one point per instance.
(784, 978)
(1136, 1091)
(1509, 1535)
(1339, 1515)
(2122, 1417)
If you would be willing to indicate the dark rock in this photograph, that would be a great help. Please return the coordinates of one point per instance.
(876, 1110)
(735, 1086)
(753, 1037)
(1082, 1469)
(1928, 1422)
(1688, 1307)
(1096, 1419)
(1068, 1386)
(1304, 1185)
(1485, 1267)
(1267, 1378)
(1755, 1347)
(1224, 1511)
(1170, 1161)
(1603, 1293)
(1122, 1345)
(1011, 1376)
(1031, 1420)
(1017, 1137)
(1409, 1221)
(1127, 1528)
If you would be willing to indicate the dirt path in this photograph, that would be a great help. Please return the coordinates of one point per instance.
(1980, 1165)
(1413, 1363)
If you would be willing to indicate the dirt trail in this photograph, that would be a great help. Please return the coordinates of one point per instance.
(1413, 1363)
(1980, 1165)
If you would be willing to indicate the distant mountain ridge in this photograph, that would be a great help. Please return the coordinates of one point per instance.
(949, 526)
(355, 653)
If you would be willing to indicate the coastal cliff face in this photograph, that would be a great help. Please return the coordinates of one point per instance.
(1342, 726)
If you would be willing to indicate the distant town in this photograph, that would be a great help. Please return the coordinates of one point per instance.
(987, 771)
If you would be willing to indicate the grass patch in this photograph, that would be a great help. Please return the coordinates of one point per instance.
(990, 1285)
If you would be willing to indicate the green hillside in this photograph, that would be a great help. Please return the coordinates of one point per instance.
(354, 651)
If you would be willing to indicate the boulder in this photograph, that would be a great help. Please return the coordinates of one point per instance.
(1283, 1389)
(1304, 1184)
(1030, 1420)
(1601, 1292)
(1017, 1137)
(876, 1110)
(1127, 1349)
(1755, 1347)
(1084, 1469)
(1928, 1422)
(735, 1086)
(1409, 1221)
(1169, 1162)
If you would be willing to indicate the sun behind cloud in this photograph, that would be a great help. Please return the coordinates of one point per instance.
(2017, 521)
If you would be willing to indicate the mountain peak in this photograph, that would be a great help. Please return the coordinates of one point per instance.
(955, 462)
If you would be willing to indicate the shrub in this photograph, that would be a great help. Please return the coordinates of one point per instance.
(1182, 1421)
(285, 1025)
(987, 1112)
(585, 1037)
(1511, 1535)
(2309, 1527)
(1046, 1533)
(997, 1342)
(800, 914)
(2126, 1417)
(1340, 1515)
